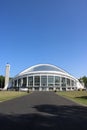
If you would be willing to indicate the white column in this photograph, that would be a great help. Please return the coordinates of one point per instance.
(60, 81)
(70, 83)
(33, 89)
(40, 80)
(27, 81)
(60, 88)
(71, 89)
(21, 82)
(54, 80)
(47, 80)
(67, 89)
(40, 88)
(17, 82)
(33, 81)
(13, 83)
(47, 89)
(54, 88)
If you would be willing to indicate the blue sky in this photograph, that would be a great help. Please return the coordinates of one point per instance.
(43, 31)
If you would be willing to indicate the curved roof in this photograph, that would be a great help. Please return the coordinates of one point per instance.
(43, 68)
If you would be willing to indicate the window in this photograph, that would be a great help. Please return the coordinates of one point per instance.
(63, 81)
(37, 80)
(68, 82)
(43, 80)
(57, 81)
(24, 82)
(50, 80)
(72, 83)
(30, 81)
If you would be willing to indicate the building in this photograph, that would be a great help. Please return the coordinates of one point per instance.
(45, 77)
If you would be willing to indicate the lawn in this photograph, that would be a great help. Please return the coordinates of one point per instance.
(77, 96)
(7, 95)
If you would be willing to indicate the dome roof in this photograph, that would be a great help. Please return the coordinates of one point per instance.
(42, 68)
(45, 67)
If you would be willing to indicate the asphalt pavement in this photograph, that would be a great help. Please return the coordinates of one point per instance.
(42, 111)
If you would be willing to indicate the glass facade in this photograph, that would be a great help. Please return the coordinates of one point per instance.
(46, 68)
(24, 82)
(63, 81)
(37, 80)
(68, 82)
(72, 83)
(30, 81)
(44, 81)
(57, 81)
(50, 80)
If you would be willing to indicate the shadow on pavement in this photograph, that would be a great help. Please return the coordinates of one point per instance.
(48, 117)
(82, 97)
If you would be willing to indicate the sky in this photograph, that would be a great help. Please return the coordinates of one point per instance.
(43, 31)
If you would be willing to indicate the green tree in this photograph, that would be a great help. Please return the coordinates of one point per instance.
(84, 79)
(2, 81)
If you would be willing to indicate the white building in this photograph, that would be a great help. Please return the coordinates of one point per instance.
(45, 77)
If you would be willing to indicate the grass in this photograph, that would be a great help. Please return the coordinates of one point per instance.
(7, 95)
(77, 96)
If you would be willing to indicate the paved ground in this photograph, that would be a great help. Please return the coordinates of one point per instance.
(42, 111)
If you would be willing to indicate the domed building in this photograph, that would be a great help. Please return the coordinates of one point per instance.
(45, 77)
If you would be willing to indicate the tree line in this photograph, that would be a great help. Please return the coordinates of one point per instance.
(2, 81)
(82, 79)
